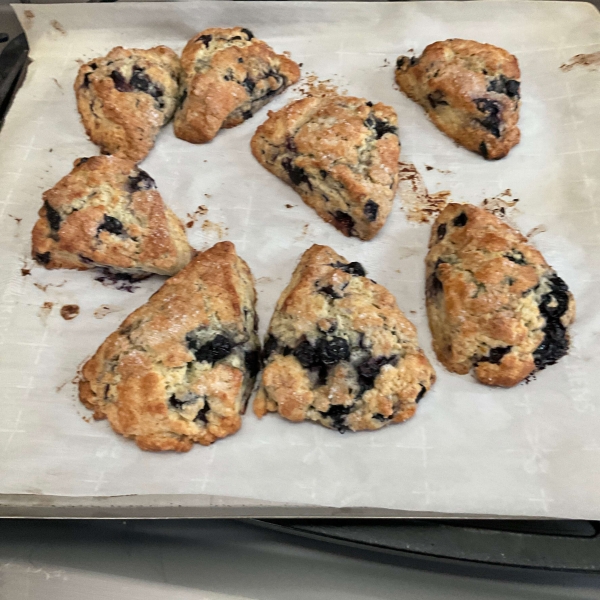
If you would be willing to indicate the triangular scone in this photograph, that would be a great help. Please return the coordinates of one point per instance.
(339, 351)
(180, 368)
(228, 75)
(124, 98)
(494, 304)
(108, 213)
(340, 154)
(471, 91)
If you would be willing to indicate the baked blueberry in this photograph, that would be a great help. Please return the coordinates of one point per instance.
(228, 75)
(340, 154)
(348, 363)
(130, 233)
(180, 368)
(125, 97)
(470, 91)
(494, 305)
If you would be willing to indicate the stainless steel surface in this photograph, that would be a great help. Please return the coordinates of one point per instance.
(224, 560)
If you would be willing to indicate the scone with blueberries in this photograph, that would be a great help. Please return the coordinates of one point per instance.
(228, 75)
(108, 213)
(125, 97)
(339, 351)
(494, 304)
(471, 92)
(179, 369)
(340, 154)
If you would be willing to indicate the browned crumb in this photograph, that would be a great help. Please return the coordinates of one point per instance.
(58, 26)
(429, 168)
(29, 16)
(582, 60)
(419, 204)
(46, 286)
(17, 219)
(193, 217)
(289, 205)
(45, 311)
(69, 311)
(498, 205)
(313, 86)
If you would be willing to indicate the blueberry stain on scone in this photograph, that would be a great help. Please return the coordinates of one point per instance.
(494, 304)
(180, 369)
(339, 351)
(340, 154)
(124, 98)
(471, 92)
(228, 75)
(107, 213)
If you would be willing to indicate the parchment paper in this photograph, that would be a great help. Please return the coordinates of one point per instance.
(532, 450)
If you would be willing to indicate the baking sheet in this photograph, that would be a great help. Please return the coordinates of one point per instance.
(532, 451)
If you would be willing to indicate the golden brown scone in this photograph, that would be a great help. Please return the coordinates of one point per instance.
(125, 97)
(180, 368)
(339, 351)
(340, 154)
(493, 302)
(228, 75)
(108, 213)
(471, 91)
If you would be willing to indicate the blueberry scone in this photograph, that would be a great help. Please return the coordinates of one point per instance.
(471, 91)
(108, 213)
(494, 304)
(340, 154)
(125, 97)
(339, 351)
(228, 75)
(179, 369)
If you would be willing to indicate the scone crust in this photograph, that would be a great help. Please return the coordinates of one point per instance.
(339, 351)
(148, 378)
(228, 75)
(470, 90)
(494, 304)
(108, 213)
(340, 154)
(123, 113)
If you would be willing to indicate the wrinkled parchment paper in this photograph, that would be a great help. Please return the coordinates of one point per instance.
(532, 450)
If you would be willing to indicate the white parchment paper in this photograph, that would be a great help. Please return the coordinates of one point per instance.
(532, 450)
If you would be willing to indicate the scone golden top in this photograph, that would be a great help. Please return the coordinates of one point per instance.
(340, 154)
(179, 370)
(108, 213)
(125, 97)
(339, 351)
(228, 76)
(494, 304)
(471, 91)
